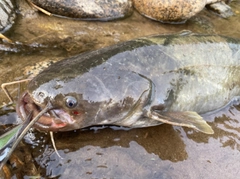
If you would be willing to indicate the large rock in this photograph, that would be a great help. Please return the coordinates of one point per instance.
(87, 10)
(177, 11)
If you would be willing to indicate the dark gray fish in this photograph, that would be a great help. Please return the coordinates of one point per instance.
(170, 79)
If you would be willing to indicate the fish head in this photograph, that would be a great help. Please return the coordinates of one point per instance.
(68, 108)
(83, 101)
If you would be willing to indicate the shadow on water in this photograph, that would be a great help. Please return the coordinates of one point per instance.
(226, 126)
(112, 153)
(163, 151)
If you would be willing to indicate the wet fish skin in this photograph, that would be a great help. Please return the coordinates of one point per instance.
(143, 82)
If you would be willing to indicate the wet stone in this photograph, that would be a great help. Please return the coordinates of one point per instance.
(7, 14)
(221, 9)
(87, 10)
(174, 11)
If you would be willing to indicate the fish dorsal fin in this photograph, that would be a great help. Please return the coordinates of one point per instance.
(186, 118)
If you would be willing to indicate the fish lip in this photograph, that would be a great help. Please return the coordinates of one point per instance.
(20, 107)
(46, 122)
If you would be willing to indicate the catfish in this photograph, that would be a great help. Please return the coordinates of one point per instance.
(148, 81)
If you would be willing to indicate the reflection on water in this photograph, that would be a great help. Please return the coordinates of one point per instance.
(114, 153)
(163, 151)
(157, 152)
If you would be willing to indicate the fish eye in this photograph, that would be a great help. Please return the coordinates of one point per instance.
(70, 101)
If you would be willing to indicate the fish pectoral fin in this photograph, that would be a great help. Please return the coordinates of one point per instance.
(186, 118)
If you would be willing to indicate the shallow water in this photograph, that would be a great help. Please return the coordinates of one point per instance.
(111, 152)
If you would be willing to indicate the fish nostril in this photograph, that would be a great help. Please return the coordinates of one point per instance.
(41, 94)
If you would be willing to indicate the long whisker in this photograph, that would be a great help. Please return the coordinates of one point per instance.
(54, 114)
(54, 146)
(5, 90)
(51, 135)
(24, 131)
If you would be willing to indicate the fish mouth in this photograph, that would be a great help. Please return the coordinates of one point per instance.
(53, 120)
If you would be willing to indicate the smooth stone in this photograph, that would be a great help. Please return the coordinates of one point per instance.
(87, 10)
(171, 11)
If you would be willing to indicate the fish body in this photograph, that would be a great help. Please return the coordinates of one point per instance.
(144, 82)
